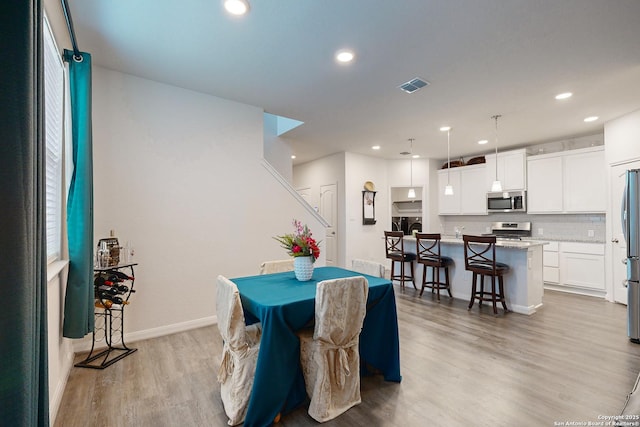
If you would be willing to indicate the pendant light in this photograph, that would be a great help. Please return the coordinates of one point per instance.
(412, 192)
(448, 189)
(497, 185)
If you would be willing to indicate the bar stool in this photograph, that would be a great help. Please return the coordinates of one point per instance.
(480, 258)
(428, 252)
(394, 246)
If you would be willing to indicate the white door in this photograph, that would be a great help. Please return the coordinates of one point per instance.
(329, 211)
(305, 193)
(618, 244)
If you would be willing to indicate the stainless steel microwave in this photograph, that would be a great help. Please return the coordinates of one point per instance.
(507, 201)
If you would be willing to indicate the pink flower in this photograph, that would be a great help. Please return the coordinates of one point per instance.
(296, 249)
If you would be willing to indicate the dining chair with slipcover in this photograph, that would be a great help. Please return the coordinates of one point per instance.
(371, 268)
(276, 266)
(239, 353)
(329, 354)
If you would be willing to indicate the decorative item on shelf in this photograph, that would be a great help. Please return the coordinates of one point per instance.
(454, 163)
(368, 204)
(448, 189)
(476, 161)
(108, 253)
(301, 244)
(497, 185)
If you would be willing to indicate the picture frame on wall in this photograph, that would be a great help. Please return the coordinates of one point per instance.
(368, 207)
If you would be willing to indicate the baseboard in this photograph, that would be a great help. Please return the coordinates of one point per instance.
(85, 344)
(55, 398)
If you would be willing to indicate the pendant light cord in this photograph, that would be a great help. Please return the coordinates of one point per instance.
(448, 157)
(411, 161)
(496, 119)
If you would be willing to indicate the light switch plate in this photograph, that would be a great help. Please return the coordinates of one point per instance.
(590, 233)
(540, 231)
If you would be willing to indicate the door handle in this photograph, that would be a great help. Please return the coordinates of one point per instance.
(614, 240)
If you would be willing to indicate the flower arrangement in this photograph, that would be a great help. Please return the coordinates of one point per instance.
(300, 243)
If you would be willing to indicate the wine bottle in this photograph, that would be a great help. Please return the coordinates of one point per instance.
(103, 303)
(101, 280)
(123, 289)
(114, 299)
(107, 290)
(120, 274)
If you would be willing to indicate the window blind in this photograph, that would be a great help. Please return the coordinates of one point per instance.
(54, 108)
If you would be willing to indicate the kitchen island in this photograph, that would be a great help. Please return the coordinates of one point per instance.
(523, 283)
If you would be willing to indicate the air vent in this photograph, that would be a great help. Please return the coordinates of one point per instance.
(413, 85)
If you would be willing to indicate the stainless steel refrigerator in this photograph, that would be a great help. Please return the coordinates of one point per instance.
(631, 229)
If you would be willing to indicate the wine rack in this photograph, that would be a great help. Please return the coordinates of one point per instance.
(111, 299)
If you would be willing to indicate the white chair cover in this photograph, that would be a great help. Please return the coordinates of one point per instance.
(330, 357)
(277, 266)
(239, 353)
(371, 268)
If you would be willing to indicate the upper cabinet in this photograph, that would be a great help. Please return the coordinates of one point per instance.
(567, 182)
(512, 169)
(469, 191)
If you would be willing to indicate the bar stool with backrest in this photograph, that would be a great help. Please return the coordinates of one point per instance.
(428, 253)
(480, 259)
(394, 245)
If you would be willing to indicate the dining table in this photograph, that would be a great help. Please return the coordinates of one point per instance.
(284, 305)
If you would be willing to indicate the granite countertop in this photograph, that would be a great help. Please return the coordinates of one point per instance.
(515, 244)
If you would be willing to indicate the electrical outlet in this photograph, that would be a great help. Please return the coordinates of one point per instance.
(540, 231)
(590, 233)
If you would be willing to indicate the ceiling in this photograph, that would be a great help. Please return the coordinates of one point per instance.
(481, 57)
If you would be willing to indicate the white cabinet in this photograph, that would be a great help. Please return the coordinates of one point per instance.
(469, 191)
(585, 182)
(473, 192)
(512, 169)
(544, 181)
(449, 205)
(575, 267)
(567, 182)
(551, 263)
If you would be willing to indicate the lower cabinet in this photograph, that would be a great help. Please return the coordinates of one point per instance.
(575, 267)
(551, 263)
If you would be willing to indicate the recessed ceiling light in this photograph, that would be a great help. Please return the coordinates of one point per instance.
(564, 95)
(591, 119)
(236, 7)
(375, 147)
(344, 56)
(483, 141)
(445, 128)
(293, 156)
(416, 156)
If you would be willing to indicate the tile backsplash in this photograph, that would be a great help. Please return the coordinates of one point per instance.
(566, 227)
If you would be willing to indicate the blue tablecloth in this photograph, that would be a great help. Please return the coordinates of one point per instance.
(285, 305)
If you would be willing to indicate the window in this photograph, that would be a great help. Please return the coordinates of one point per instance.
(53, 109)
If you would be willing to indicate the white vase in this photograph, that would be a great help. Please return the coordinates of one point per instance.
(303, 267)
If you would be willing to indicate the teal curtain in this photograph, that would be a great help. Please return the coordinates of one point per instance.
(78, 303)
(24, 394)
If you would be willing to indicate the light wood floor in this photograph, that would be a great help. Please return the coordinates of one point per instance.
(571, 361)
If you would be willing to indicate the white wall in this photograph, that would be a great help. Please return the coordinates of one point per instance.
(179, 175)
(365, 241)
(311, 176)
(277, 151)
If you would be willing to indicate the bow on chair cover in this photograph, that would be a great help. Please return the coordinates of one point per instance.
(239, 354)
(330, 357)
